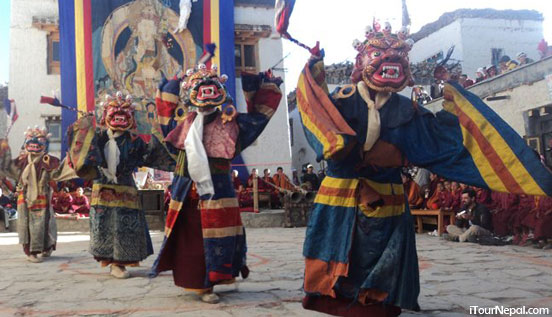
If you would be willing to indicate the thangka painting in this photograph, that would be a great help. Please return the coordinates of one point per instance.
(130, 45)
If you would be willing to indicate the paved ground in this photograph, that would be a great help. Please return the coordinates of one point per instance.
(453, 277)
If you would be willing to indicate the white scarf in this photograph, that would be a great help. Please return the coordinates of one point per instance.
(374, 123)
(112, 155)
(198, 164)
(29, 178)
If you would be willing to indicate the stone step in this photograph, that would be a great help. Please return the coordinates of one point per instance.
(273, 218)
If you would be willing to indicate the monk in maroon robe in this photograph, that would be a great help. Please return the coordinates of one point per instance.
(81, 205)
(63, 203)
(506, 206)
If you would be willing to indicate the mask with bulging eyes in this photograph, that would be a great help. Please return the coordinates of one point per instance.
(382, 61)
(36, 140)
(118, 113)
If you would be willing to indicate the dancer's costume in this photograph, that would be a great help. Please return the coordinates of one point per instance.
(36, 173)
(109, 154)
(360, 245)
(205, 240)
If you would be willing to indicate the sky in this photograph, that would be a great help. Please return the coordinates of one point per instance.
(4, 40)
(337, 23)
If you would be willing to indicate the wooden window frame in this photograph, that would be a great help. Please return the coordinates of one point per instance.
(53, 66)
(249, 69)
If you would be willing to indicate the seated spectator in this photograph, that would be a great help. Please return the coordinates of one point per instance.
(519, 226)
(269, 186)
(254, 174)
(267, 181)
(503, 64)
(434, 202)
(505, 206)
(81, 204)
(295, 177)
(310, 179)
(62, 203)
(491, 71)
(462, 80)
(6, 208)
(282, 180)
(412, 191)
(544, 49)
(542, 229)
(456, 193)
(473, 223)
(480, 74)
(483, 196)
(523, 59)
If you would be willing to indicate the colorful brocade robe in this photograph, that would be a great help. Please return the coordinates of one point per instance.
(118, 229)
(360, 242)
(223, 235)
(36, 224)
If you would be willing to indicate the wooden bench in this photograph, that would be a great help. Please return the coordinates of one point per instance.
(420, 213)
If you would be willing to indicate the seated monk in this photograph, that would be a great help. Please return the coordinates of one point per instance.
(270, 187)
(282, 180)
(526, 207)
(63, 204)
(505, 206)
(434, 202)
(244, 197)
(412, 190)
(456, 195)
(254, 174)
(445, 197)
(543, 224)
(81, 204)
(483, 197)
(238, 187)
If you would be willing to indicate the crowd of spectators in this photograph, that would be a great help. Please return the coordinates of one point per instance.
(519, 219)
(275, 185)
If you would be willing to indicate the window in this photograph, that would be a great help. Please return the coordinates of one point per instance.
(53, 124)
(246, 57)
(496, 54)
(53, 53)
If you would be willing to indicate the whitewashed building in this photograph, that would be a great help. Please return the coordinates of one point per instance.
(480, 37)
(523, 98)
(34, 71)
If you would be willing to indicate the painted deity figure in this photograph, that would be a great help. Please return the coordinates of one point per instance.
(35, 171)
(109, 154)
(205, 239)
(360, 251)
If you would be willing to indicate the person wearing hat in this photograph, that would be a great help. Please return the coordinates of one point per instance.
(491, 71)
(311, 178)
(523, 59)
(480, 74)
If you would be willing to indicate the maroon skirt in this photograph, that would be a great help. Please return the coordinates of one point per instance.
(183, 251)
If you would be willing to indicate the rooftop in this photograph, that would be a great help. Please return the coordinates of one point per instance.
(449, 17)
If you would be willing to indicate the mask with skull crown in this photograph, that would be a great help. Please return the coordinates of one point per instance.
(382, 61)
(204, 88)
(37, 140)
(118, 113)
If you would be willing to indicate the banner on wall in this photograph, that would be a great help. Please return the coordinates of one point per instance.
(129, 45)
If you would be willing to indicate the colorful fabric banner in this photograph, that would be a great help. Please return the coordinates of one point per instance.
(111, 45)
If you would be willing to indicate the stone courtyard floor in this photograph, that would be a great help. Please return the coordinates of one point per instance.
(453, 277)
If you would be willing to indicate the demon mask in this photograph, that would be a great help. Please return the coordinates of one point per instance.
(37, 140)
(203, 88)
(118, 113)
(382, 60)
